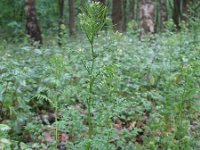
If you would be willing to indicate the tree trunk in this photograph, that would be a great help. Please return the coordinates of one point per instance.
(177, 12)
(61, 9)
(117, 18)
(124, 15)
(61, 21)
(163, 13)
(131, 9)
(32, 26)
(146, 11)
(184, 11)
(71, 18)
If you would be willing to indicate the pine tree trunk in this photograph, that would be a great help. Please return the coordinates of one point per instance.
(32, 26)
(177, 12)
(163, 13)
(117, 18)
(146, 17)
(131, 9)
(61, 21)
(184, 12)
(124, 15)
(71, 18)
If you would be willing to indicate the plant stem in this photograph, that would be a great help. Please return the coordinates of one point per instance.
(91, 83)
(56, 120)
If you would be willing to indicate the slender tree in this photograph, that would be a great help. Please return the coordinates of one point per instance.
(163, 13)
(61, 11)
(131, 9)
(146, 11)
(184, 12)
(124, 15)
(61, 20)
(177, 12)
(117, 18)
(180, 11)
(71, 18)
(32, 26)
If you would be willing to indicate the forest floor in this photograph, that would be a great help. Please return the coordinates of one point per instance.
(146, 93)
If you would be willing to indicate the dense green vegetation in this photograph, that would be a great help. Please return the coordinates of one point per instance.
(101, 90)
(145, 96)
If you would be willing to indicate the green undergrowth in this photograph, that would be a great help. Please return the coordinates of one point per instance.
(145, 96)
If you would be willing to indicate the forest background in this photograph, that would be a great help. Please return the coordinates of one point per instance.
(113, 75)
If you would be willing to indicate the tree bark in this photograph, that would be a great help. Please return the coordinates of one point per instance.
(117, 18)
(61, 21)
(61, 9)
(124, 15)
(163, 13)
(146, 17)
(184, 12)
(177, 12)
(32, 26)
(131, 9)
(71, 18)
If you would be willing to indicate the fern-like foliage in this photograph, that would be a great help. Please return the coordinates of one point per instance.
(92, 19)
(4, 128)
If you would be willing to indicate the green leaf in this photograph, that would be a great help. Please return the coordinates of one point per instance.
(4, 128)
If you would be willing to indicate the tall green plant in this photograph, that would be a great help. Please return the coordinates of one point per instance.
(92, 20)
